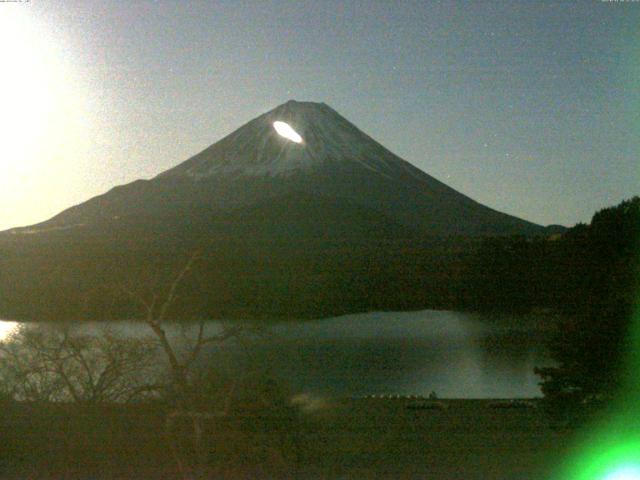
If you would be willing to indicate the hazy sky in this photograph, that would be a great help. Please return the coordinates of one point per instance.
(532, 108)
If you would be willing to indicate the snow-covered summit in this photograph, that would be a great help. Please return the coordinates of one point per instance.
(257, 149)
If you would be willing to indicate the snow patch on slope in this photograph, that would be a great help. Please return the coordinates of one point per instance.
(256, 149)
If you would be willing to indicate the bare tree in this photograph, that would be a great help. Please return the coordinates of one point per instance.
(181, 360)
(59, 363)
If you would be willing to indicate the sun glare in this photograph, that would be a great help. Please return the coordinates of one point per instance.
(6, 329)
(40, 116)
(625, 473)
(28, 84)
(285, 130)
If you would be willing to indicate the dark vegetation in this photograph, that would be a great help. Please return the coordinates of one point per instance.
(76, 277)
(261, 268)
(589, 269)
(594, 343)
(102, 405)
(353, 439)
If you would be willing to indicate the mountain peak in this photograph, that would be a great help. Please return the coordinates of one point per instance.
(302, 104)
(293, 101)
(316, 136)
(302, 113)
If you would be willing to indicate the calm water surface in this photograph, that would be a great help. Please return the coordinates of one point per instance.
(454, 354)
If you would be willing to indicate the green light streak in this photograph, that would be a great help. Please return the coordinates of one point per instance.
(614, 442)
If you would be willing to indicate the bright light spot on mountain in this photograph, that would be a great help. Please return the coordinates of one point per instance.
(624, 473)
(285, 130)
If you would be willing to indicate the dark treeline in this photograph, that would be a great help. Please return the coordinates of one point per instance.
(85, 274)
(601, 290)
(590, 268)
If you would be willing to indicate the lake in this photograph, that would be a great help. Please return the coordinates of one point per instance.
(457, 355)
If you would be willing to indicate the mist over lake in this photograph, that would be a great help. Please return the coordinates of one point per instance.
(455, 354)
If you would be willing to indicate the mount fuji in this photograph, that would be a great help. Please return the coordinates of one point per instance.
(256, 169)
(301, 214)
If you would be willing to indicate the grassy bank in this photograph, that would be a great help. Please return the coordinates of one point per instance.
(362, 438)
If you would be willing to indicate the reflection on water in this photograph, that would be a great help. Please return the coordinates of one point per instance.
(7, 328)
(455, 354)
